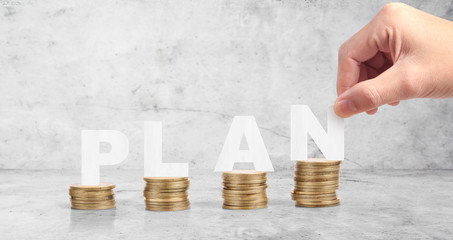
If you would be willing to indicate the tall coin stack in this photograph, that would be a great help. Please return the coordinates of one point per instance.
(244, 189)
(92, 197)
(315, 183)
(166, 193)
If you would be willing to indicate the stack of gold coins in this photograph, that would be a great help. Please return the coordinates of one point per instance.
(166, 193)
(92, 197)
(244, 189)
(316, 182)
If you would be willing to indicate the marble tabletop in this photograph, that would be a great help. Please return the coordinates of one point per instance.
(375, 205)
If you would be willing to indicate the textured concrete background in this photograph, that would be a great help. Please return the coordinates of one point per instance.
(72, 65)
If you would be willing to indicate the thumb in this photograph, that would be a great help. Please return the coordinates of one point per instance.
(388, 87)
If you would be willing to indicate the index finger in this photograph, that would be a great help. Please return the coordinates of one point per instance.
(361, 47)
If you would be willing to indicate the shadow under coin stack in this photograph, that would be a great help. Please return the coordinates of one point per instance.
(244, 189)
(92, 197)
(316, 182)
(166, 193)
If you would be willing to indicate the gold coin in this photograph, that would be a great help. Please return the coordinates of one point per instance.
(317, 178)
(166, 189)
(241, 192)
(312, 193)
(244, 177)
(318, 162)
(245, 188)
(166, 194)
(244, 203)
(156, 190)
(177, 208)
(317, 201)
(315, 184)
(92, 207)
(245, 197)
(313, 174)
(244, 174)
(309, 193)
(83, 207)
(313, 166)
(160, 203)
(327, 163)
(296, 179)
(82, 193)
(101, 186)
(321, 195)
(148, 194)
(332, 188)
(159, 194)
(318, 204)
(244, 208)
(310, 196)
(167, 205)
(314, 201)
(167, 208)
(305, 186)
(316, 170)
(168, 185)
(171, 184)
(233, 201)
(166, 200)
(92, 202)
(316, 191)
(165, 179)
(244, 182)
(329, 174)
(92, 198)
(167, 182)
(315, 198)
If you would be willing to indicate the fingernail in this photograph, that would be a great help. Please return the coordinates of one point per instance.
(345, 108)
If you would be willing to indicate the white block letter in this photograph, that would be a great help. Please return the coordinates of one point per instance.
(92, 158)
(153, 155)
(257, 153)
(303, 121)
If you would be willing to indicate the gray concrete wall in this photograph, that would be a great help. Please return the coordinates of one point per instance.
(72, 65)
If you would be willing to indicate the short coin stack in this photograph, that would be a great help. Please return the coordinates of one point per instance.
(92, 197)
(316, 182)
(244, 189)
(166, 193)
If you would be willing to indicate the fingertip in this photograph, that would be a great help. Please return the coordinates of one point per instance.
(345, 108)
(372, 111)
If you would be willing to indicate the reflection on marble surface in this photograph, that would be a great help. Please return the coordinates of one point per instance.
(73, 65)
(375, 205)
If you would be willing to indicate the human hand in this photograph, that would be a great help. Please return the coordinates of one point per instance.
(402, 53)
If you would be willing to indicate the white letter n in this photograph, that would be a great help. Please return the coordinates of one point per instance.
(303, 121)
